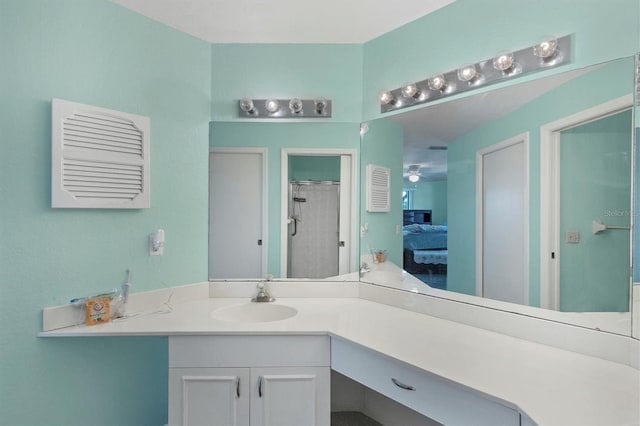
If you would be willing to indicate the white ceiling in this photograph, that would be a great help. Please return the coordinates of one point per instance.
(284, 21)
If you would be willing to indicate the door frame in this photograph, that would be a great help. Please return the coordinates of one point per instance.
(263, 152)
(550, 193)
(348, 219)
(524, 139)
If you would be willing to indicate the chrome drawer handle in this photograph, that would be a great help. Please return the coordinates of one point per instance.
(399, 384)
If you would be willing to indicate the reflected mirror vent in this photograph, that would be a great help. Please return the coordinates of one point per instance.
(378, 188)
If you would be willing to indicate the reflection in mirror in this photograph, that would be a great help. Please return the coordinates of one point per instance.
(519, 195)
(264, 182)
(313, 216)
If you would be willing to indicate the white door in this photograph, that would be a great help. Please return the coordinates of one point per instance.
(209, 396)
(290, 396)
(236, 240)
(503, 221)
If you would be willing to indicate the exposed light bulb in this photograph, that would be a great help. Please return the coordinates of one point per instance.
(387, 98)
(247, 106)
(546, 48)
(321, 105)
(504, 61)
(410, 90)
(295, 105)
(414, 178)
(437, 82)
(272, 105)
(467, 72)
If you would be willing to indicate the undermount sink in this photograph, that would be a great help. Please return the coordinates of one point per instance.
(254, 312)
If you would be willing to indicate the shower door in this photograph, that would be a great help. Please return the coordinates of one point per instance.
(314, 209)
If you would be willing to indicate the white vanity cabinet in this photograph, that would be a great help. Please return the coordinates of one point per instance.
(249, 380)
(435, 397)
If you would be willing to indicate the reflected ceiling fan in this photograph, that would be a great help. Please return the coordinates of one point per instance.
(414, 173)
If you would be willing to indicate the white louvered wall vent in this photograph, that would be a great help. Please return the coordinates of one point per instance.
(378, 188)
(100, 158)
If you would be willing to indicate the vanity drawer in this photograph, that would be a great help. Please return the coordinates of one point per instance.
(249, 351)
(433, 396)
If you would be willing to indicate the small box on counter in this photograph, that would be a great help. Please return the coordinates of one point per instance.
(98, 310)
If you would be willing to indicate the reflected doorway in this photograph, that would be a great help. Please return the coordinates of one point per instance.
(237, 217)
(588, 178)
(503, 221)
(318, 213)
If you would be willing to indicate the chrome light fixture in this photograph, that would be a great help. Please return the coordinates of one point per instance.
(386, 98)
(546, 48)
(321, 105)
(467, 73)
(410, 90)
(437, 82)
(271, 105)
(248, 106)
(549, 52)
(504, 61)
(295, 106)
(277, 108)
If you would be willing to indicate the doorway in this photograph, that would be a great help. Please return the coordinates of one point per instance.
(503, 221)
(318, 213)
(584, 269)
(237, 213)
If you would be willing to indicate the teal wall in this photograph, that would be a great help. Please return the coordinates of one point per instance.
(595, 183)
(432, 195)
(97, 53)
(275, 136)
(565, 100)
(314, 167)
(382, 146)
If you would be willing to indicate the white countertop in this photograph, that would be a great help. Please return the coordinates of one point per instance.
(550, 385)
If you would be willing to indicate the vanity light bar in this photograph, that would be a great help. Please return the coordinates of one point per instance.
(548, 53)
(284, 108)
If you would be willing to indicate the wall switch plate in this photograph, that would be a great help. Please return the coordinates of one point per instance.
(398, 229)
(572, 237)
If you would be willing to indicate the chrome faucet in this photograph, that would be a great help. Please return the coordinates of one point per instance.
(364, 268)
(263, 295)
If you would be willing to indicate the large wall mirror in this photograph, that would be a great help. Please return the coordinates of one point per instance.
(516, 198)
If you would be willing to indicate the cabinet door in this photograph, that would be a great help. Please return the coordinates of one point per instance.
(209, 396)
(290, 396)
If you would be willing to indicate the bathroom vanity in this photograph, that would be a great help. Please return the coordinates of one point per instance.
(249, 380)
(262, 372)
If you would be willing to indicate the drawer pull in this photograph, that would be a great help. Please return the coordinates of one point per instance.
(399, 384)
(237, 386)
(260, 387)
